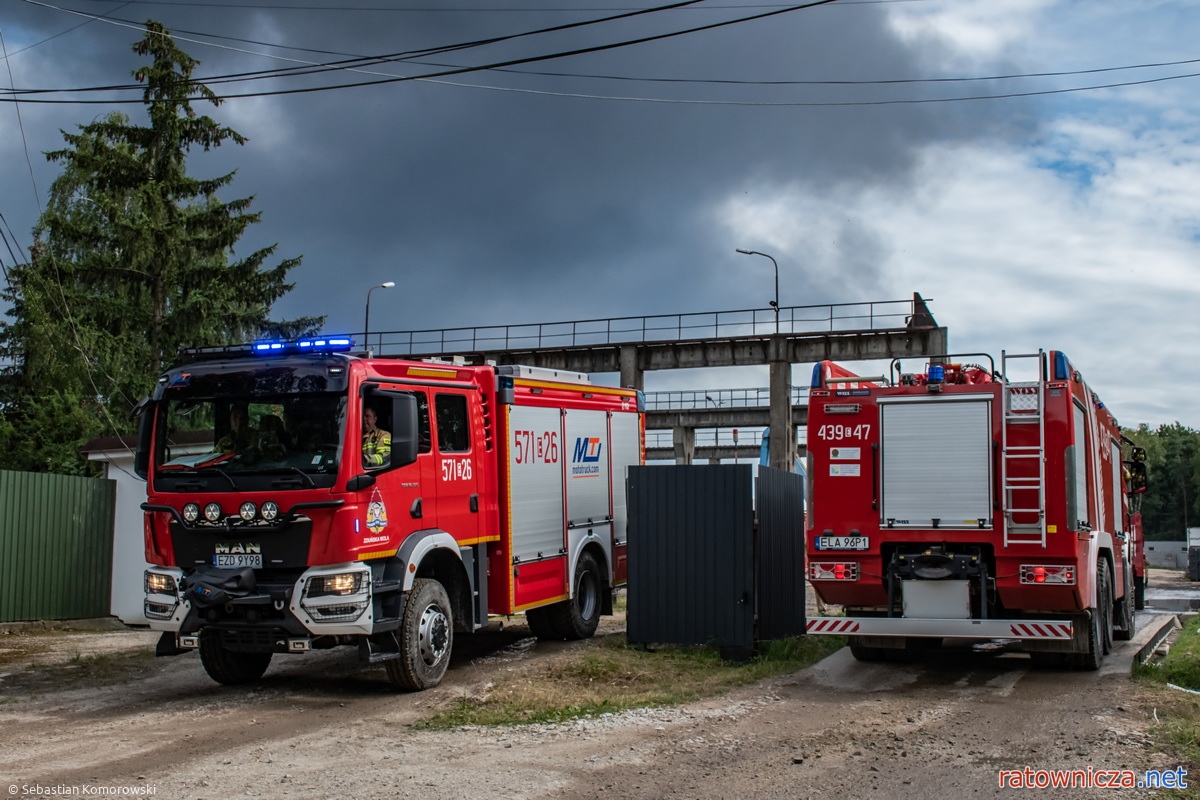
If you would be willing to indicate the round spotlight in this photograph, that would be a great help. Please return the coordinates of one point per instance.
(191, 512)
(212, 512)
(247, 511)
(270, 510)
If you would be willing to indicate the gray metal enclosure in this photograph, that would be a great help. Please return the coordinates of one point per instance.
(701, 571)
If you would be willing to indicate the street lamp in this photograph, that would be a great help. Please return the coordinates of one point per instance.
(775, 302)
(367, 321)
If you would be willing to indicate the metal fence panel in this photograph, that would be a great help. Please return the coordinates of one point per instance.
(779, 554)
(691, 539)
(56, 545)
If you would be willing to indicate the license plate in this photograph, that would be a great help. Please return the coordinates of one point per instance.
(843, 543)
(238, 560)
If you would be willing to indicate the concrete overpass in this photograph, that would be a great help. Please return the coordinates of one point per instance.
(776, 337)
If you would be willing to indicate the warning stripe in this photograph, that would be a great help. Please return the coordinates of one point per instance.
(1033, 630)
(831, 625)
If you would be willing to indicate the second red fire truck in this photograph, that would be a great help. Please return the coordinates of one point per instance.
(502, 491)
(957, 502)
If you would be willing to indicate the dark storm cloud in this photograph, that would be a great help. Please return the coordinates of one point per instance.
(495, 207)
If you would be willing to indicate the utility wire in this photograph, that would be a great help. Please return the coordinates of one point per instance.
(455, 70)
(21, 124)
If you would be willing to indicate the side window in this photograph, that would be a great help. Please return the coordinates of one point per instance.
(424, 438)
(376, 433)
(453, 431)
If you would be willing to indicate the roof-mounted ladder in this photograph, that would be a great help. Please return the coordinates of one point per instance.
(1023, 485)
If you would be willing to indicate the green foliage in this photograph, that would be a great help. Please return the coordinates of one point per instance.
(1172, 502)
(1182, 663)
(133, 259)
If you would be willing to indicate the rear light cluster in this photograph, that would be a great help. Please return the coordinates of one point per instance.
(1048, 573)
(833, 571)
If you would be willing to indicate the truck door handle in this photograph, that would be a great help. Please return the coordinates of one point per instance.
(415, 510)
(475, 503)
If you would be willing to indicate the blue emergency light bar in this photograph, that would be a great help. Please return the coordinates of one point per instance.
(312, 344)
(320, 344)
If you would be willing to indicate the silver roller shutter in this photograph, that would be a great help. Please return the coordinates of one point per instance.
(936, 463)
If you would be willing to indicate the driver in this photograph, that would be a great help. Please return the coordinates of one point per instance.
(377, 443)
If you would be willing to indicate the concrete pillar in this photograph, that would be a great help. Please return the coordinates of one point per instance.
(685, 445)
(632, 377)
(783, 435)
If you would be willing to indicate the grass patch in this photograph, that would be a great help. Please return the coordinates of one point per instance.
(613, 676)
(1182, 664)
(1177, 730)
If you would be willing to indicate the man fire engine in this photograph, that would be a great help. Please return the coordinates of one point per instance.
(502, 491)
(958, 503)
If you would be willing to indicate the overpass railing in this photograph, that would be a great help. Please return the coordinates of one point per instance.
(685, 399)
(833, 317)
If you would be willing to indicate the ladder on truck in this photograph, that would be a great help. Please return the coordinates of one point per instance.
(1025, 492)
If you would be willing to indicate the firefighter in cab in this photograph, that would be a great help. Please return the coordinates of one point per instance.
(240, 433)
(377, 443)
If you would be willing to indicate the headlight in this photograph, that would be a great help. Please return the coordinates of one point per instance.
(191, 512)
(157, 583)
(212, 512)
(270, 510)
(338, 597)
(247, 511)
(338, 585)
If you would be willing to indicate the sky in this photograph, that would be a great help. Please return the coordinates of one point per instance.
(874, 148)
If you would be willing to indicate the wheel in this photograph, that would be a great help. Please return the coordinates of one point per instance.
(1124, 613)
(578, 617)
(425, 637)
(863, 652)
(1099, 618)
(1104, 601)
(1139, 593)
(229, 667)
(540, 623)
(1048, 660)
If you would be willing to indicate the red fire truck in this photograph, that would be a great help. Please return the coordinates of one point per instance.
(502, 491)
(960, 503)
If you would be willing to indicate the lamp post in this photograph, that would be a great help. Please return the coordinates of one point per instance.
(367, 321)
(775, 302)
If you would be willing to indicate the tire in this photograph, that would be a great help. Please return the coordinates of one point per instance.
(1097, 619)
(868, 654)
(425, 638)
(1124, 612)
(1139, 593)
(228, 667)
(540, 623)
(578, 617)
(1049, 660)
(1104, 601)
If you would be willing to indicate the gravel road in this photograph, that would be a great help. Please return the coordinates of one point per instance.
(321, 726)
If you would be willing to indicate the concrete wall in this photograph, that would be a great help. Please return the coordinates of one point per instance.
(1167, 555)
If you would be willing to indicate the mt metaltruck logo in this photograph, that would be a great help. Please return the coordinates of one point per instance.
(585, 460)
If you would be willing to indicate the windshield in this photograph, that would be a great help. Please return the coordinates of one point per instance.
(252, 435)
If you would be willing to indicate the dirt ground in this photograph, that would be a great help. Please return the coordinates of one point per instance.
(322, 726)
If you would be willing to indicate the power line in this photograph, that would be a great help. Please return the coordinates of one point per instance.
(310, 68)
(21, 124)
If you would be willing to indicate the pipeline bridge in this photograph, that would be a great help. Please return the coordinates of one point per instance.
(631, 346)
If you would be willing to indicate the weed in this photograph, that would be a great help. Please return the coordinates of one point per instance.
(611, 676)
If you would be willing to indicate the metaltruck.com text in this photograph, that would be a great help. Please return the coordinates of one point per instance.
(1093, 778)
